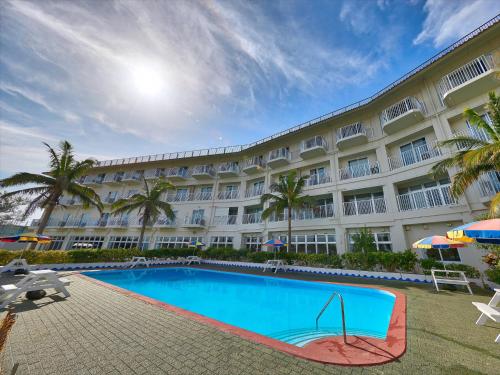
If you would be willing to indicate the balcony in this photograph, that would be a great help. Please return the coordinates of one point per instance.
(357, 171)
(254, 165)
(76, 223)
(133, 177)
(99, 223)
(470, 80)
(111, 199)
(177, 174)
(194, 222)
(365, 207)
(203, 172)
(417, 155)
(313, 147)
(229, 194)
(279, 157)
(118, 222)
(317, 179)
(52, 223)
(402, 115)
(224, 220)
(473, 132)
(228, 170)
(353, 135)
(165, 222)
(312, 213)
(94, 180)
(488, 184)
(255, 218)
(113, 178)
(154, 173)
(427, 198)
(254, 191)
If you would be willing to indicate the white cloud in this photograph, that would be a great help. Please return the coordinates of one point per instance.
(447, 21)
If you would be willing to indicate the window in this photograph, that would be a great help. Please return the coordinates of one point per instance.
(414, 152)
(221, 241)
(55, 244)
(359, 167)
(181, 194)
(127, 242)
(324, 243)
(382, 240)
(449, 255)
(176, 242)
(90, 242)
(252, 242)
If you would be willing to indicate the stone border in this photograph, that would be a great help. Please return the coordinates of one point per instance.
(359, 350)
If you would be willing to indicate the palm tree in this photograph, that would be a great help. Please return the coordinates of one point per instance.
(61, 178)
(148, 203)
(286, 194)
(475, 156)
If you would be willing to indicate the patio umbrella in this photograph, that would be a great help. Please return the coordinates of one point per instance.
(437, 242)
(196, 244)
(274, 244)
(484, 231)
(27, 237)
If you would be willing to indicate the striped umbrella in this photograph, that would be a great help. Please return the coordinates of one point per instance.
(196, 244)
(274, 243)
(484, 231)
(437, 242)
(27, 237)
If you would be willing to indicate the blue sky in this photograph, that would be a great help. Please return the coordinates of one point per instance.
(125, 78)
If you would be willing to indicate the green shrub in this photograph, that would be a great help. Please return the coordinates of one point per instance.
(429, 263)
(259, 256)
(407, 261)
(360, 261)
(468, 270)
(225, 253)
(493, 274)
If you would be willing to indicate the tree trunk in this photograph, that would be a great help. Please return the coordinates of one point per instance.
(145, 219)
(289, 244)
(44, 220)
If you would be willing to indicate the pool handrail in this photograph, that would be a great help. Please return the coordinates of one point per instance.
(341, 308)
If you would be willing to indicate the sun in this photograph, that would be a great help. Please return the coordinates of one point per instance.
(147, 79)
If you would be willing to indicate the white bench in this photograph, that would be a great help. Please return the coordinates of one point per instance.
(136, 261)
(275, 264)
(461, 280)
(490, 311)
(14, 265)
(193, 259)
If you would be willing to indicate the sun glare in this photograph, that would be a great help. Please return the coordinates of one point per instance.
(148, 80)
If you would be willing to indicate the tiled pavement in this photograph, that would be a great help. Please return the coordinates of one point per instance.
(100, 331)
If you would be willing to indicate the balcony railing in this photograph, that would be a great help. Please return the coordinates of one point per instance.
(314, 142)
(154, 173)
(229, 168)
(113, 177)
(255, 161)
(111, 199)
(187, 196)
(365, 207)
(280, 153)
(416, 155)
(254, 218)
(427, 198)
(225, 220)
(318, 179)
(352, 130)
(368, 169)
(100, 223)
(476, 133)
(164, 221)
(118, 222)
(200, 170)
(229, 194)
(318, 212)
(177, 172)
(76, 222)
(465, 73)
(195, 220)
(400, 108)
(254, 191)
(93, 180)
(488, 184)
(133, 176)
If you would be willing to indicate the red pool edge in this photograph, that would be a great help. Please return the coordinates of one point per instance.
(359, 350)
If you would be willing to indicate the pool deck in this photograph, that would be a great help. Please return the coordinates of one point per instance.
(99, 331)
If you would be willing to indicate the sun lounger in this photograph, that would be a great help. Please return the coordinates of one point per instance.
(14, 265)
(439, 278)
(136, 261)
(35, 280)
(275, 264)
(489, 311)
(193, 259)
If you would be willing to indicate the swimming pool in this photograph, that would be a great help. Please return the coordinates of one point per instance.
(281, 309)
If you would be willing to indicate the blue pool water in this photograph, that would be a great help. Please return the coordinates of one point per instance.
(279, 308)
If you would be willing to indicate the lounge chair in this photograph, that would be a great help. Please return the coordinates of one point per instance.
(439, 278)
(14, 265)
(35, 280)
(136, 261)
(490, 311)
(193, 259)
(275, 264)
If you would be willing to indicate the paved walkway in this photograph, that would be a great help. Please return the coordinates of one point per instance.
(100, 331)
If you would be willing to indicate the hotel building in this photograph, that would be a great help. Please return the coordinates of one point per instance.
(368, 166)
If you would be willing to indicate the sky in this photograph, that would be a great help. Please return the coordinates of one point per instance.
(126, 78)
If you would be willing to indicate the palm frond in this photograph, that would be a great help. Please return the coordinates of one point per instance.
(87, 195)
(495, 207)
(25, 178)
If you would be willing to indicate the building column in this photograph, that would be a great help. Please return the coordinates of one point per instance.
(398, 237)
(340, 238)
(390, 197)
(382, 158)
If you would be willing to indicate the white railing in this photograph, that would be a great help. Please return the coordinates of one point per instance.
(76, 222)
(164, 221)
(318, 212)
(203, 170)
(254, 218)
(195, 220)
(365, 207)
(118, 222)
(177, 172)
(476, 133)
(52, 222)
(93, 180)
(188, 196)
(400, 108)
(368, 169)
(225, 220)
(229, 194)
(416, 155)
(318, 179)
(280, 153)
(465, 73)
(352, 130)
(427, 198)
(154, 173)
(254, 192)
(318, 141)
(113, 177)
(488, 184)
(255, 161)
(133, 176)
(232, 167)
(98, 223)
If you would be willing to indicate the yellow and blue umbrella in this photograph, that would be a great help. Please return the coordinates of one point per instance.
(196, 244)
(437, 242)
(27, 237)
(484, 231)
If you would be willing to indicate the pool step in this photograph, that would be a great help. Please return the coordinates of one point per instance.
(301, 337)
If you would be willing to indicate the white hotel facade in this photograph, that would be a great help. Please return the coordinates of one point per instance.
(368, 166)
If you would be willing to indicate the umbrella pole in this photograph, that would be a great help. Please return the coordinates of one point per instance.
(441, 257)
